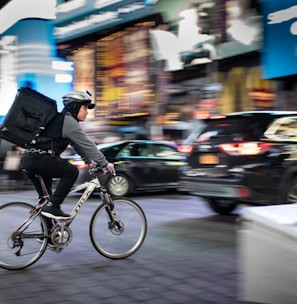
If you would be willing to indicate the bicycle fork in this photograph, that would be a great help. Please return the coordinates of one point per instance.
(115, 225)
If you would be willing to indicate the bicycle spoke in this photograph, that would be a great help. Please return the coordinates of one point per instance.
(121, 234)
(18, 246)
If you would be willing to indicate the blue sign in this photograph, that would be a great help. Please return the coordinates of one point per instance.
(279, 57)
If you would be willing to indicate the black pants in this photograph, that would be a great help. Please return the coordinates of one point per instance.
(50, 167)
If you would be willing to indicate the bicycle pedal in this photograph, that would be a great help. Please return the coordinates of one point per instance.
(56, 249)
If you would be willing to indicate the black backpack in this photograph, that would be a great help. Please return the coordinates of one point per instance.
(27, 117)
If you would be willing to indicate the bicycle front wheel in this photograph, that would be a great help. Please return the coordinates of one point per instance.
(121, 240)
(20, 228)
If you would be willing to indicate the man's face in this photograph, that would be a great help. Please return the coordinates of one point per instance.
(82, 113)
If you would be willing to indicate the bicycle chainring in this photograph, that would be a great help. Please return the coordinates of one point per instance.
(61, 239)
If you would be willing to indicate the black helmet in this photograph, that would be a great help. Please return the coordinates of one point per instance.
(84, 98)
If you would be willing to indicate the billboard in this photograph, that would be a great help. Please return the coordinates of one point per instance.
(207, 30)
(280, 29)
(78, 18)
(122, 72)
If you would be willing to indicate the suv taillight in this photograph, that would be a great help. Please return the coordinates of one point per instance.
(245, 148)
(185, 149)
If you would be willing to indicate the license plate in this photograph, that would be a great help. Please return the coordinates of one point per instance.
(208, 159)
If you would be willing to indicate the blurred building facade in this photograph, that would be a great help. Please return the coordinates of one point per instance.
(109, 43)
(162, 64)
(28, 52)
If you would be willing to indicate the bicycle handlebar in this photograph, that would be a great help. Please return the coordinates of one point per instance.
(96, 169)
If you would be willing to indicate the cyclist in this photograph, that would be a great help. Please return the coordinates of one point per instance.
(43, 158)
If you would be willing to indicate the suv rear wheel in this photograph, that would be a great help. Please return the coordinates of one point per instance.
(222, 206)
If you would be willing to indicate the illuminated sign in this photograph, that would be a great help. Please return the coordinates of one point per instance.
(62, 65)
(279, 57)
(96, 19)
(122, 74)
(84, 73)
(8, 68)
(63, 78)
(160, 39)
(212, 29)
(97, 15)
(70, 6)
(103, 3)
(89, 21)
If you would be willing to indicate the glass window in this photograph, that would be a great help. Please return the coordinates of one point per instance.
(283, 129)
(136, 150)
(165, 151)
(237, 128)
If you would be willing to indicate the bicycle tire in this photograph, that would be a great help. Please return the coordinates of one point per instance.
(18, 251)
(118, 244)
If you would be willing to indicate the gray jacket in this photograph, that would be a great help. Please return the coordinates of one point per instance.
(81, 143)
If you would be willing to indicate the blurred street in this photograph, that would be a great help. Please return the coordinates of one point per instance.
(189, 256)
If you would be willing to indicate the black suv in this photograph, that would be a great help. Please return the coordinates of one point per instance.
(246, 157)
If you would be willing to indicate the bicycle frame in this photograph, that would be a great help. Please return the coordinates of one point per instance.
(89, 189)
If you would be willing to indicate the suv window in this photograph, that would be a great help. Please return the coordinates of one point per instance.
(284, 128)
(239, 128)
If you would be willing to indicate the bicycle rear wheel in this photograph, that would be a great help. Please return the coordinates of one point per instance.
(20, 227)
(114, 242)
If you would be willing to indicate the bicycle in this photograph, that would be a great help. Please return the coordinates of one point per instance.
(117, 227)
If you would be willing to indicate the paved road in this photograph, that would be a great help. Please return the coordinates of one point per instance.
(189, 256)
